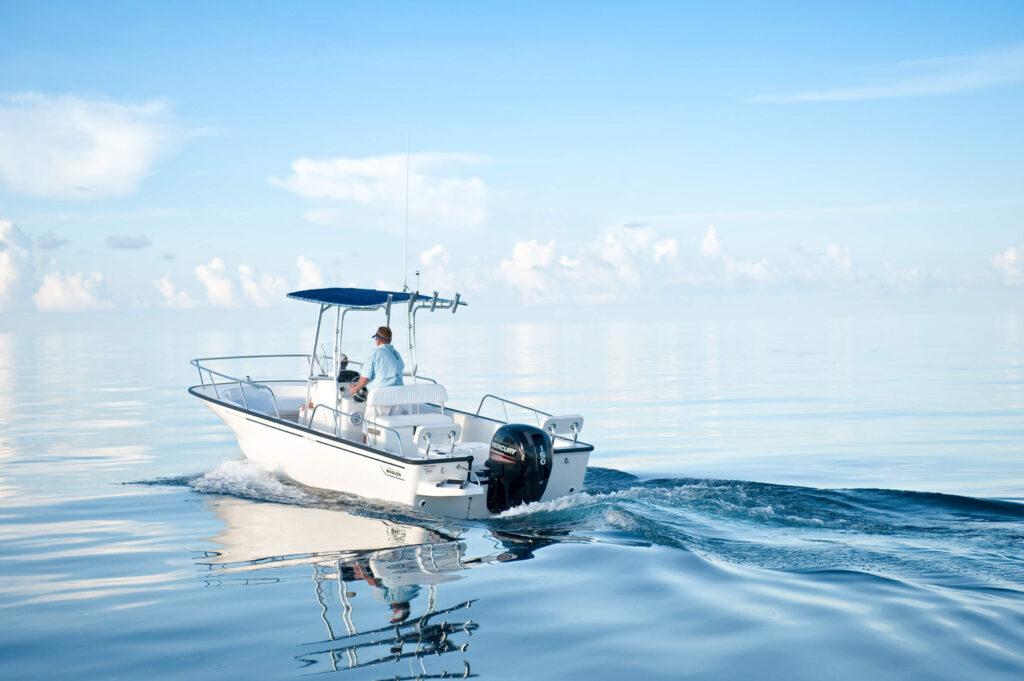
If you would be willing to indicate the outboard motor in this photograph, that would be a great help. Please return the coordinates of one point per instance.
(519, 465)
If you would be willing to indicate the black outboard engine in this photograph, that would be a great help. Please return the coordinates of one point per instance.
(519, 465)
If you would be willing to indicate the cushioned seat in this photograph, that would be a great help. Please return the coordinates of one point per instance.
(397, 395)
(424, 419)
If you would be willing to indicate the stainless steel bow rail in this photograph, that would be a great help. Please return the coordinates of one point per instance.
(242, 383)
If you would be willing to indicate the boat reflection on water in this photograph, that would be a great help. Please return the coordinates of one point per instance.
(405, 623)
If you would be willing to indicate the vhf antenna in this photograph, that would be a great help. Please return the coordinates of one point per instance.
(408, 143)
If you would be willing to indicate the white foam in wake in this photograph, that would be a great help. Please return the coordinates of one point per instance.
(555, 505)
(242, 478)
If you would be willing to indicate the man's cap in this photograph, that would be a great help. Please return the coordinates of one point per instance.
(383, 333)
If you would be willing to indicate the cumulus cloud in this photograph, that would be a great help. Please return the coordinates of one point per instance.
(435, 255)
(379, 182)
(16, 270)
(261, 289)
(130, 243)
(434, 270)
(65, 292)
(627, 256)
(618, 249)
(723, 267)
(527, 269)
(219, 289)
(710, 249)
(309, 274)
(69, 147)
(1008, 264)
(925, 77)
(172, 296)
(666, 251)
(832, 264)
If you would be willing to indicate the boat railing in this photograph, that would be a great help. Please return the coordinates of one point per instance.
(505, 403)
(208, 376)
(549, 419)
(356, 418)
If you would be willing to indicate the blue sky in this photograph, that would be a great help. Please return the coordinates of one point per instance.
(200, 157)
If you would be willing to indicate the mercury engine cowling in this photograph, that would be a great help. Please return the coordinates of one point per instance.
(519, 465)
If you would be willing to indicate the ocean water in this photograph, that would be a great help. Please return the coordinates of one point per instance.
(775, 499)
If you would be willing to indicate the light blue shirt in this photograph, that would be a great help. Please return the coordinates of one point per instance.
(384, 368)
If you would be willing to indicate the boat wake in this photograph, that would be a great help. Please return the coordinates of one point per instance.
(244, 479)
(883, 532)
(964, 541)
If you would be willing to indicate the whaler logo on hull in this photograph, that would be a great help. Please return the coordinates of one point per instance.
(392, 472)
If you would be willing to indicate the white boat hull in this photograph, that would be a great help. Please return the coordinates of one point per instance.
(438, 485)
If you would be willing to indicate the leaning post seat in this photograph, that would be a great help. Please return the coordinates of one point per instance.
(401, 407)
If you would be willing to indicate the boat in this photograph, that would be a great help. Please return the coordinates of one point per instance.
(402, 444)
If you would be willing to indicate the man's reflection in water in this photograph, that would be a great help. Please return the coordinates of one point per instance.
(399, 577)
(399, 597)
(402, 564)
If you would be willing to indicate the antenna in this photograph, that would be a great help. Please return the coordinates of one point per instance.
(408, 144)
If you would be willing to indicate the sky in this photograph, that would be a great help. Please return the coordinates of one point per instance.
(207, 158)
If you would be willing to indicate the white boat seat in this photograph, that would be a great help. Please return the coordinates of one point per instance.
(398, 395)
(568, 426)
(412, 420)
(440, 439)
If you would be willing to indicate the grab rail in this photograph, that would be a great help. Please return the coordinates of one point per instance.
(536, 412)
(241, 382)
(361, 419)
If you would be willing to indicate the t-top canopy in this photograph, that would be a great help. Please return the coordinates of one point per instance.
(358, 297)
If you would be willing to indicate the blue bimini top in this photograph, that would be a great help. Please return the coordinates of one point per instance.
(358, 297)
(350, 297)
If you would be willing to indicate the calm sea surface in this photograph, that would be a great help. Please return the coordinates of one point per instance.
(784, 499)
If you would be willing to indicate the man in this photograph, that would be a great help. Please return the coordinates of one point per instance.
(384, 367)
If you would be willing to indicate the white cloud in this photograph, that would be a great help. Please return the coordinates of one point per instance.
(172, 296)
(71, 147)
(379, 182)
(435, 273)
(926, 77)
(839, 258)
(1008, 265)
(617, 259)
(309, 274)
(527, 269)
(725, 267)
(70, 292)
(709, 247)
(435, 255)
(219, 289)
(834, 263)
(901, 278)
(619, 247)
(16, 270)
(759, 271)
(261, 289)
(667, 250)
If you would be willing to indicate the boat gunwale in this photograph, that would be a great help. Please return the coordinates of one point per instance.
(574, 449)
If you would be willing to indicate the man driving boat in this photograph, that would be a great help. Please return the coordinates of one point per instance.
(384, 367)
